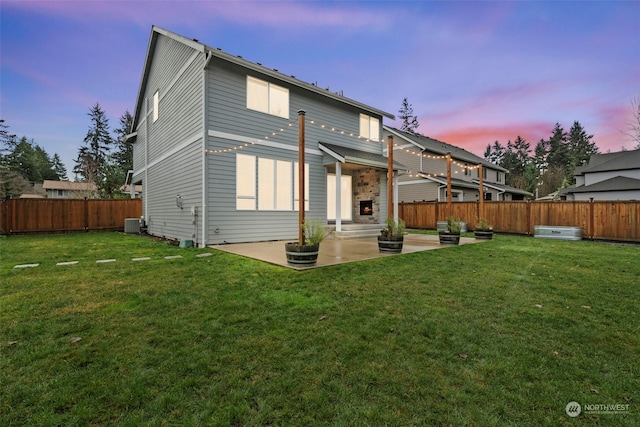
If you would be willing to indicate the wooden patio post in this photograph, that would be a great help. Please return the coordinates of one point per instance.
(480, 179)
(449, 185)
(301, 114)
(390, 177)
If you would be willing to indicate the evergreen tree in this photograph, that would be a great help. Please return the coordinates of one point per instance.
(540, 153)
(97, 146)
(581, 146)
(110, 179)
(558, 152)
(59, 168)
(123, 155)
(7, 140)
(409, 120)
(494, 153)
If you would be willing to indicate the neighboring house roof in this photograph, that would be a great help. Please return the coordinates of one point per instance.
(350, 155)
(455, 183)
(621, 160)
(238, 60)
(433, 145)
(504, 188)
(618, 183)
(68, 185)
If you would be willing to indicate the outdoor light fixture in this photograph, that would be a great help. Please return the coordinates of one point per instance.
(179, 201)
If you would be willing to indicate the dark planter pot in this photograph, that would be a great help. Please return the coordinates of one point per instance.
(301, 254)
(483, 234)
(390, 244)
(447, 238)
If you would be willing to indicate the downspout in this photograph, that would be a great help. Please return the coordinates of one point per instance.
(205, 116)
(145, 187)
(338, 197)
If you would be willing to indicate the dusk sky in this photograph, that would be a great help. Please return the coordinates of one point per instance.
(474, 72)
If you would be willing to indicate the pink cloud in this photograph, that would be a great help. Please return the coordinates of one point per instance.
(476, 138)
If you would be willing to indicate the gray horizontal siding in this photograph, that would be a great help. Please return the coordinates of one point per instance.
(177, 174)
(227, 112)
(226, 224)
(417, 192)
(180, 111)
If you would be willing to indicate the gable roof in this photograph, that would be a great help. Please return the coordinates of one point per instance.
(618, 183)
(350, 155)
(238, 60)
(68, 185)
(433, 145)
(620, 160)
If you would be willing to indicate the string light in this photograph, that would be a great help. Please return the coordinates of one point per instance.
(253, 142)
(327, 127)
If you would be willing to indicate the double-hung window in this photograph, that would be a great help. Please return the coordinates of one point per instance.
(369, 127)
(267, 97)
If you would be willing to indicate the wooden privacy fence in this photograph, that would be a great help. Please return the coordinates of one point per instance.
(607, 220)
(29, 216)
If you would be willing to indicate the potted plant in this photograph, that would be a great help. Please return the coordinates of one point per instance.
(483, 230)
(392, 237)
(307, 252)
(451, 236)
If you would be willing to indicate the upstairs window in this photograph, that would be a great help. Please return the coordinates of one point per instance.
(369, 127)
(499, 176)
(267, 98)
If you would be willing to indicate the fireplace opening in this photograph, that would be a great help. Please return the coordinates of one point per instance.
(366, 207)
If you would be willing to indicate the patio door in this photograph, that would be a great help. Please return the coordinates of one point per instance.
(346, 198)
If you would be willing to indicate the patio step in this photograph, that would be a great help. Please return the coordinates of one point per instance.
(357, 231)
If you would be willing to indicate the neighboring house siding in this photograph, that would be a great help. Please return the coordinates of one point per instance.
(591, 178)
(423, 190)
(608, 195)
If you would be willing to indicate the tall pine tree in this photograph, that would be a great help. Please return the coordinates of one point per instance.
(97, 146)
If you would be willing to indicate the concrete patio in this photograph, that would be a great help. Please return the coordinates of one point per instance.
(336, 251)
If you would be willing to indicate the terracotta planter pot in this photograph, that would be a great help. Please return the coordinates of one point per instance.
(483, 234)
(390, 244)
(301, 254)
(447, 238)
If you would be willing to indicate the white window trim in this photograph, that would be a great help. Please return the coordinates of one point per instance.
(269, 106)
(369, 127)
(270, 184)
(156, 105)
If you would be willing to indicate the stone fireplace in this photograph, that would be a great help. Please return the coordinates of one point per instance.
(366, 194)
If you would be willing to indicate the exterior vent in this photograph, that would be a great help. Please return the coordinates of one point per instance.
(132, 225)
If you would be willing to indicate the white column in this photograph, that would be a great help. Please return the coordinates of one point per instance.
(338, 196)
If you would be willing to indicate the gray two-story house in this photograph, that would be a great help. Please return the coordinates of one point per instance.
(216, 146)
(426, 158)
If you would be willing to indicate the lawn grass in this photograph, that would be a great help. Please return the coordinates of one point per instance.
(501, 333)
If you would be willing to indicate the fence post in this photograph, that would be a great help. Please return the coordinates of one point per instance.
(528, 217)
(7, 215)
(591, 233)
(86, 214)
